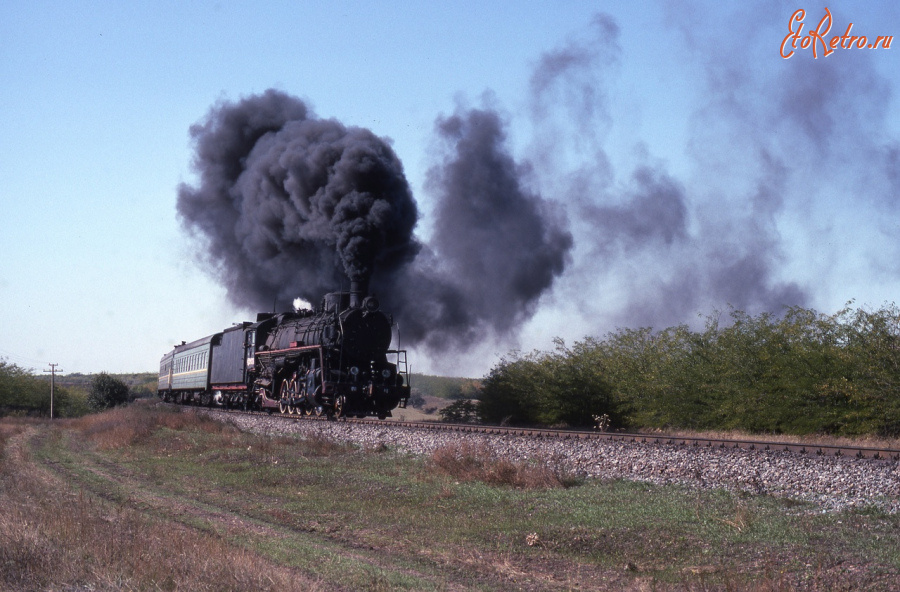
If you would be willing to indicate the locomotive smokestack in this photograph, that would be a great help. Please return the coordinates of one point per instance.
(358, 290)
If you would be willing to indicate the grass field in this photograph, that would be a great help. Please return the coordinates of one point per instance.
(144, 498)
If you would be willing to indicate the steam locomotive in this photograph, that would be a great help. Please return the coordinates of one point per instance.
(335, 360)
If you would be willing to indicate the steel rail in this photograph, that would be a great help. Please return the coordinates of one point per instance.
(800, 448)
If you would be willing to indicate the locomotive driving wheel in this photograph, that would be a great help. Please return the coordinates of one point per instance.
(284, 397)
(292, 394)
(339, 405)
(315, 406)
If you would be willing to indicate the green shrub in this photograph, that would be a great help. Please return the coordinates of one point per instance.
(801, 372)
(567, 386)
(462, 411)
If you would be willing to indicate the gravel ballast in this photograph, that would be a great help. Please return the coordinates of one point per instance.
(833, 483)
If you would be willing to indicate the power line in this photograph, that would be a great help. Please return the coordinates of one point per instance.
(52, 372)
(18, 359)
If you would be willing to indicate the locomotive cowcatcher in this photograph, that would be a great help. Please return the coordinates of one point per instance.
(335, 360)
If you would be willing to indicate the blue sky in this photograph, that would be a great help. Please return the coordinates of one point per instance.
(781, 176)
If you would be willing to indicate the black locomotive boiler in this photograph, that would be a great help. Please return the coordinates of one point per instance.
(335, 360)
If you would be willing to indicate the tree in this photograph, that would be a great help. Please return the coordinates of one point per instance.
(107, 392)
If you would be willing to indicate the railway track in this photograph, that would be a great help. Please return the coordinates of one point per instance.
(800, 448)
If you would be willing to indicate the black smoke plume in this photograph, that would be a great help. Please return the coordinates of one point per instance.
(294, 206)
(497, 246)
(667, 248)
(291, 205)
(786, 170)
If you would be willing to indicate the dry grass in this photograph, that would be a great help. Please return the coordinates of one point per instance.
(124, 426)
(468, 462)
(197, 505)
(10, 427)
(85, 543)
(54, 537)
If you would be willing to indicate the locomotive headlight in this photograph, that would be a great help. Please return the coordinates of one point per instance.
(354, 370)
(386, 373)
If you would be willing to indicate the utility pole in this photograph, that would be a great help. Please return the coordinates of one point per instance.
(53, 370)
